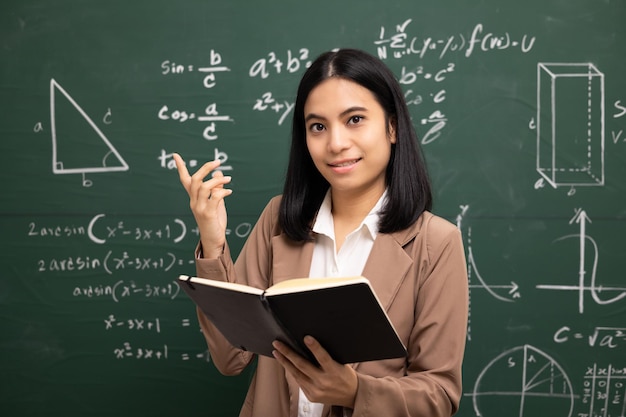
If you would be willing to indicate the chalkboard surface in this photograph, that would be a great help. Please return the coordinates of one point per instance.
(521, 110)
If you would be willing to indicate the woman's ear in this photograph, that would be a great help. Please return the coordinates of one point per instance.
(392, 130)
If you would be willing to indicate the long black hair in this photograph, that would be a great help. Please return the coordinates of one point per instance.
(408, 186)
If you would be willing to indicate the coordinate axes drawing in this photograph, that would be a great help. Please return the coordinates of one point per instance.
(502, 292)
(593, 288)
(78, 145)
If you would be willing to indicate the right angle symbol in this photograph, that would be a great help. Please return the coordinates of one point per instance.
(78, 145)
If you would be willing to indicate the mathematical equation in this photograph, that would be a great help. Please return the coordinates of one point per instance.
(272, 64)
(267, 102)
(215, 67)
(436, 120)
(128, 351)
(112, 322)
(399, 44)
(102, 229)
(127, 289)
(112, 262)
(396, 44)
(210, 115)
(608, 337)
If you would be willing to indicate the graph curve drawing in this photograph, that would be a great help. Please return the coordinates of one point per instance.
(512, 289)
(534, 383)
(594, 288)
(78, 145)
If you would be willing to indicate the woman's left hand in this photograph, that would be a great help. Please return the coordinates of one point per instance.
(330, 383)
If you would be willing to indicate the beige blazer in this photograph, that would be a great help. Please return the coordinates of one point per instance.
(420, 276)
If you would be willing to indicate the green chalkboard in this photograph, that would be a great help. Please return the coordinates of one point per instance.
(521, 110)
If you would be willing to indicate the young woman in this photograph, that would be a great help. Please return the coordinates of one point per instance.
(356, 201)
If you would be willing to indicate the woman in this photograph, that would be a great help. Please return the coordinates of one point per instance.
(355, 202)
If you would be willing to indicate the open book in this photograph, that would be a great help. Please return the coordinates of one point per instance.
(343, 314)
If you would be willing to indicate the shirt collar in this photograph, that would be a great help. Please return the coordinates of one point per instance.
(324, 219)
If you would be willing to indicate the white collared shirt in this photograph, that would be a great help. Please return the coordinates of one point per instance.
(350, 260)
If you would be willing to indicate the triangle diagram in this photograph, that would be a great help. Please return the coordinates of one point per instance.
(78, 145)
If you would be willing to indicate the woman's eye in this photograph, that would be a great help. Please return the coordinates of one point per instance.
(317, 127)
(355, 119)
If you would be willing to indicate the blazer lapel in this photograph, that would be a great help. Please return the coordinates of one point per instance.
(387, 265)
(290, 260)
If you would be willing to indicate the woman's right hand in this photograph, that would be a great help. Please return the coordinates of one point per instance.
(206, 200)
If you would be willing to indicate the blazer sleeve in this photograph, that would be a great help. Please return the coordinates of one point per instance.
(251, 268)
(431, 385)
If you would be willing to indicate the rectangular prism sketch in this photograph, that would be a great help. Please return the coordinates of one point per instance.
(570, 124)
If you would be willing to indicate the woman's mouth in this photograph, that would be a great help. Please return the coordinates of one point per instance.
(344, 163)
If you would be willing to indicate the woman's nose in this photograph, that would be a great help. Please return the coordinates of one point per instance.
(338, 140)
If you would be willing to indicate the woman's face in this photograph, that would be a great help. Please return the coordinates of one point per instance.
(347, 136)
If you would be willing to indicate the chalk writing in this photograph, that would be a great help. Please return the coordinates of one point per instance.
(604, 391)
(127, 351)
(584, 165)
(598, 292)
(211, 115)
(268, 102)
(69, 263)
(39, 230)
(111, 262)
(112, 322)
(167, 160)
(399, 44)
(204, 356)
(102, 229)
(122, 289)
(524, 373)
(412, 75)
(497, 291)
(176, 231)
(98, 144)
(241, 231)
(272, 63)
(608, 337)
(215, 66)
(437, 120)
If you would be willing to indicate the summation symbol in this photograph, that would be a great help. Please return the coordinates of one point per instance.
(78, 145)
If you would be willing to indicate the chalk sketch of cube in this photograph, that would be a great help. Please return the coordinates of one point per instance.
(570, 124)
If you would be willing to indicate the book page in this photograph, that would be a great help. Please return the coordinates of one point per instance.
(221, 284)
(307, 284)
